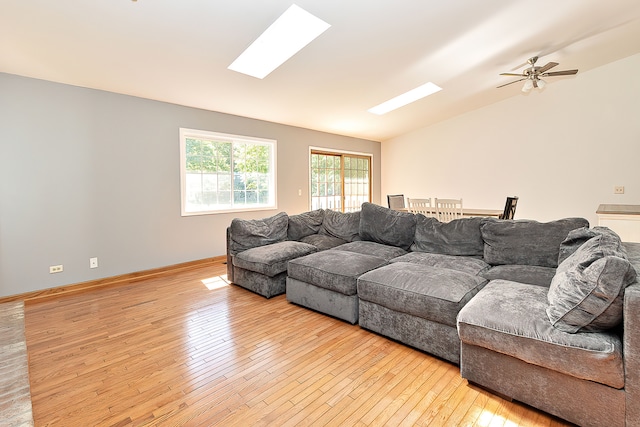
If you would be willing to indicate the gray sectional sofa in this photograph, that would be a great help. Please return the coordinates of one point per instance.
(544, 313)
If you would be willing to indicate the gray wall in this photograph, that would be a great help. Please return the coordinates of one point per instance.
(86, 173)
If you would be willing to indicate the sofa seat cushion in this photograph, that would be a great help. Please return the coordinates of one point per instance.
(272, 259)
(372, 248)
(509, 318)
(333, 270)
(323, 241)
(531, 274)
(432, 293)
(525, 241)
(473, 266)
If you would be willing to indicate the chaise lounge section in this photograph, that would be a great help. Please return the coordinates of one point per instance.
(562, 349)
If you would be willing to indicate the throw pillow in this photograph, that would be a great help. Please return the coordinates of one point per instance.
(458, 237)
(382, 225)
(587, 292)
(247, 234)
(574, 240)
(341, 225)
(524, 241)
(305, 224)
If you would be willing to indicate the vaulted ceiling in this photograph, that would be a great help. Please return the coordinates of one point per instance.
(179, 51)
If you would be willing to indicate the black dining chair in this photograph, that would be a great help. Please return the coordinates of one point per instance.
(509, 208)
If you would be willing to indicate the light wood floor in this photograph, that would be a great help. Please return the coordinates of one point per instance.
(188, 349)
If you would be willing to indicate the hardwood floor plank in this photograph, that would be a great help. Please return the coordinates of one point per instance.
(392, 404)
(164, 350)
(402, 375)
(457, 406)
(364, 389)
(471, 416)
(488, 411)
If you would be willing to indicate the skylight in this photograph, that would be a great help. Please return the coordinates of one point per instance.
(292, 31)
(406, 98)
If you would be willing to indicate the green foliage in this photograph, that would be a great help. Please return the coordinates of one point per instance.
(222, 171)
(251, 158)
(208, 156)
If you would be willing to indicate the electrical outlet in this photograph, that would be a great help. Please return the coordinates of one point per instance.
(55, 269)
(93, 262)
(618, 189)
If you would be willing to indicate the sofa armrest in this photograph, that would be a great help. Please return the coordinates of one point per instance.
(632, 353)
(229, 257)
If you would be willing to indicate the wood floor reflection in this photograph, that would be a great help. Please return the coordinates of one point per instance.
(186, 348)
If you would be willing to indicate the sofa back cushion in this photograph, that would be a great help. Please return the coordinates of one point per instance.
(341, 225)
(250, 233)
(587, 292)
(382, 225)
(457, 237)
(524, 241)
(305, 224)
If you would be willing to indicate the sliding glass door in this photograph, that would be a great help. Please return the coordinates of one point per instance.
(339, 181)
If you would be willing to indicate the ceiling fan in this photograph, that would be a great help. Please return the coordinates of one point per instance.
(533, 75)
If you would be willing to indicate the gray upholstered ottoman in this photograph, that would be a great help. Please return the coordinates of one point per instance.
(327, 281)
(417, 304)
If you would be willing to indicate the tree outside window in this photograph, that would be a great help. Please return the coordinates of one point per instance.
(222, 173)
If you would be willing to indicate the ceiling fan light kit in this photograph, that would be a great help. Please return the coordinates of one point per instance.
(533, 82)
(528, 85)
(533, 75)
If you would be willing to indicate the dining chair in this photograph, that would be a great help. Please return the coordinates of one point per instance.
(448, 209)
(421, 206)
(509, 208)
(395, 201)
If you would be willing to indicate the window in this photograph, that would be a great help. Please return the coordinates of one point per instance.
(340, 181)
(225, 173)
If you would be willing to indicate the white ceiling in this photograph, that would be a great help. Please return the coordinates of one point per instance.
(178, 51)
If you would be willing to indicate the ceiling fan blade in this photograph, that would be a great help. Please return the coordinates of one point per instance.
(510, 83)
(549, 66)
(560, 73)
(512, 74)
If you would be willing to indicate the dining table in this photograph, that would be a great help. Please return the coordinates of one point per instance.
(469, 212)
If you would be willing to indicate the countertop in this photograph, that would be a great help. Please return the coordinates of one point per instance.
(619, 209)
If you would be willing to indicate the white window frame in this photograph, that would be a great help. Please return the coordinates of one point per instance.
(224, 137)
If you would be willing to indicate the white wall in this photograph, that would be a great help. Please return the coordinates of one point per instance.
(87, 173)
(561, 151)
